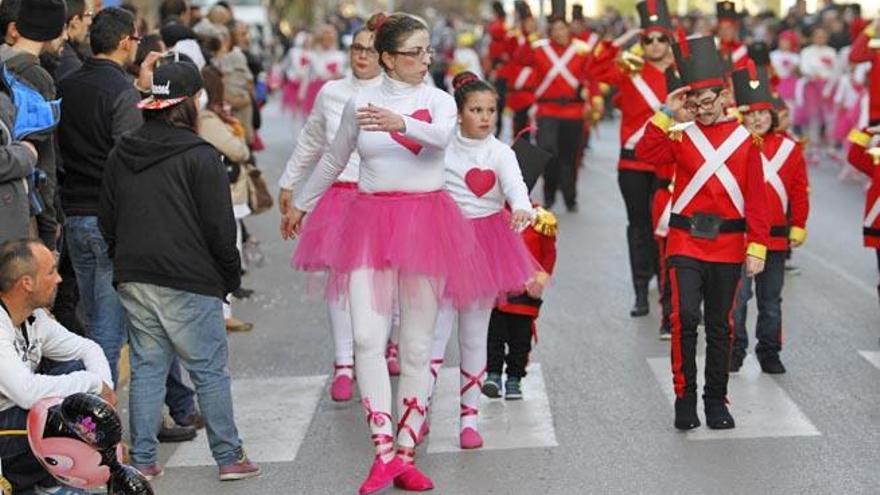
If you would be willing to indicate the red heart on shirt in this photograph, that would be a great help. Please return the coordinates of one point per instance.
(333, 67)
(829, 61)
(422, 114)
(480, 181)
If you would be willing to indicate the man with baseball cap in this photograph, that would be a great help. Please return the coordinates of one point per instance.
(39, 25)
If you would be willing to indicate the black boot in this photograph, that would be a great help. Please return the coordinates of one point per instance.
(772, 365)
(641, 306)
(686, 413)
(736, 361)
(717, 415)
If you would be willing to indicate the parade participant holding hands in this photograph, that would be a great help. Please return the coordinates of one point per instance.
(718, 221)
(482, 174)
(642, 90)
(403, 234)
(315, 138)
(785, 172)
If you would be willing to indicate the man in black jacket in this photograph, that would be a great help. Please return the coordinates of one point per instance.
(166, 214)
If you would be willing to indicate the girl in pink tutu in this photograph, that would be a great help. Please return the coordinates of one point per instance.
(295, 67)
(403, 234)
(326, 63)
(482, 173)
(818, 70)
(315, 137)
(785, 61)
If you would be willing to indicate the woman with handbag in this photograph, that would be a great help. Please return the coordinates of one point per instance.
(218, 127)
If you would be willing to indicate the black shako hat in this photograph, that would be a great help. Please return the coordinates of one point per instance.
(698, 62)
(673, 79)
(654, 14)
(759, 51)
(751, 88)
(41, 20)
(725, 11)
(172, 84)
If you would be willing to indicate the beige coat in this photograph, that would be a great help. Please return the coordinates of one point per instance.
(230, 144)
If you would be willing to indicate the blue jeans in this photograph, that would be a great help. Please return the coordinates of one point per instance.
(168, 322)
(106, 323)
(768, 288)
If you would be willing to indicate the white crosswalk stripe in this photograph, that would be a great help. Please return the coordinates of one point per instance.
(526, 423)
(272, 415)
(873, 357)
(759, 405)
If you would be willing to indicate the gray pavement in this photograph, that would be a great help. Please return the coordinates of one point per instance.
(610, 414)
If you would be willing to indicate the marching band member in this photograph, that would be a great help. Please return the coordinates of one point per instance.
(718, 222)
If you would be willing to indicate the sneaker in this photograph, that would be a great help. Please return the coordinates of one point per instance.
(236, 325)
(512, 388)
(150, 471)
(241, 469)
(195, 420)
(492, 385)
(665, 333)
(242, 293)
(175, 433)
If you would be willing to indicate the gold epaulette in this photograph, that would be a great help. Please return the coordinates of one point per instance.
(630, 63)
(545, 222)
(859, 137)
(757, 139)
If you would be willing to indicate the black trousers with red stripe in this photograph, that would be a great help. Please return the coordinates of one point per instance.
(637, 188)
(663, 282)
(561, 138)
(694, 283)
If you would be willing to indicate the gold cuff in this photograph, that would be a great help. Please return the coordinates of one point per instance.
(797, 234)
(663, 121)
(869, 31)
(757, 250)
(860, 138)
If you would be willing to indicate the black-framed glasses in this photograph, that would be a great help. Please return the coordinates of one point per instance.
(693, 106)
(359, 49)
(416, 52)
(649, 40)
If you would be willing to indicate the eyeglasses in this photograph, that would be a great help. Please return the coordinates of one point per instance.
(692, 106)
(416, 53)
(649, 40)
(359, 49)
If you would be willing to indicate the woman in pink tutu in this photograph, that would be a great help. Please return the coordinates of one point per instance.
(482, 173)
(326, 63)
(819, 70)
(785, 61)
(315, 137)
(403, 235)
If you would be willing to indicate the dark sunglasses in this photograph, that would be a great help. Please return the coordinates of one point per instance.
(648, 40)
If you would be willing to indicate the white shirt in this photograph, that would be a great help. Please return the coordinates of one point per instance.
(819, 61)
(785, 64)
(320, 129)
(21, 386)
(327, 65)
(484, 158)
(386, 164)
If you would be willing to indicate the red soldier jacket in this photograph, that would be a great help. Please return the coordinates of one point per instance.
(497, 41)
(787, 188)
(520, 95)
(718, 178)
(640, 95)
(860, 52)
(736, 52)
(540, 238)
(559, 76)
(868, 164)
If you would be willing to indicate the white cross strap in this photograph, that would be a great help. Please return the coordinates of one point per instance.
(713, 165)
(559, 68)
(774, 165)
(662, 229)
(739, 53)
(592, 40)
(522, 78)
(646, 92)
(633, 140)
(873, 214)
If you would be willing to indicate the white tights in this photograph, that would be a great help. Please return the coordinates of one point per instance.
(473, 332)
(418, 310)
(343, 339)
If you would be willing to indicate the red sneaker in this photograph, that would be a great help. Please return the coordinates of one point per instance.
(239, 470)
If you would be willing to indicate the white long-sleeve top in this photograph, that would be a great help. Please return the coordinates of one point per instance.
(785, 64)
(320, 129)
(21, 386)
(818, 61)
(386, 164)
(480, 157)
(326, 65)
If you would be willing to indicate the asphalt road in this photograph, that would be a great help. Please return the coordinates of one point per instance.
(597, 416)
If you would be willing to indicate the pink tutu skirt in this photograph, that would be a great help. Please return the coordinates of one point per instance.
(405, 239)
(510, 262)
(313, 250)
(290, 96)
(312, 95)
(787, 87)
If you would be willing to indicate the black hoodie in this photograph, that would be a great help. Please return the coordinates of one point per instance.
(166, 212)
